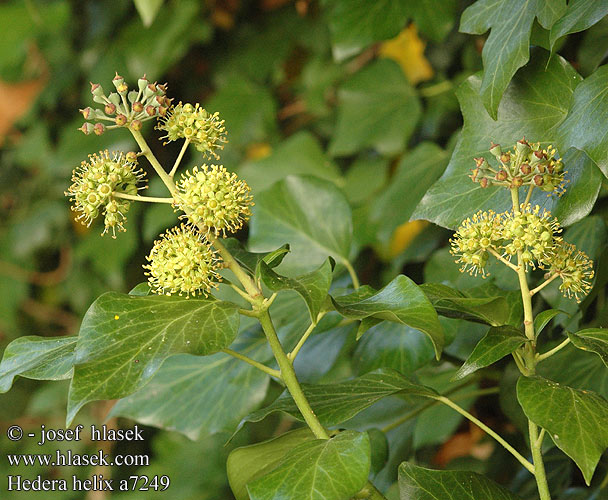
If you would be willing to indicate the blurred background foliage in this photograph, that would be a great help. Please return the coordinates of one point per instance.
(361, 94)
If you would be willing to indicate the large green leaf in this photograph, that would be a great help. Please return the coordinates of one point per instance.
(584, 126)
(310, 214)
(591, 339)
(580, 15)
(377, 107)
(434, 18)
(575, 420)
(401, 301)
(498, 342)
(393, 345)
(248, 463)
(39, 358)
(452, 303)
(355, 24)
(299, 154)
(507, 48)
(534, 104)
(123, 340)
(543, 318)
(313, 287)
(336, 403)
(418, 483)
(416, 172)
(322, 469)
(199, 396)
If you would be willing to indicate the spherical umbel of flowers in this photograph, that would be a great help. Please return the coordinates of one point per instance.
(181, 262)
(125, 108)
(531, 233)
(526, 165)
(213, 199)
(203, 129)
(96, 183)
(473, 239)
(573, 267)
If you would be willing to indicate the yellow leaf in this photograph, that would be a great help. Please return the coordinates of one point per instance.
(258, 150)
(408, 50)
(404, 235)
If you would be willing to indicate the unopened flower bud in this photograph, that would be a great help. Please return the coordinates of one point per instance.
(138, 107)
(162, 111)
(118, 80)
(525, 169)
(505, 157)
(123, 88)
(131, 156)
(501, 175)
(517, 181)
(120, 120)
(136, 125)
(538, 180)
(150, 110)
(96, 89)
(87, 128)
(142, 83)
(99, 128)
(522, 147)
(483, 182)
(86, 112)
(496, 150)
(110, 109)
(114, 98)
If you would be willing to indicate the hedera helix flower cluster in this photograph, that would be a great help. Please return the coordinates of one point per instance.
(526, 234)
(212, 200)
(524, 238)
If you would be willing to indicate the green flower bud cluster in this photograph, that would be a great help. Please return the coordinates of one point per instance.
(125, 108)
(182, 262)
(527, 165)
(213, 199)
(473, 239)
(574, 268)
(531, 233)
(203, 129)
(95, 185)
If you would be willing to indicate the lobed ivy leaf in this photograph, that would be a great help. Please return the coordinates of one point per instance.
(336, 403)
(39, 358)
(419, 483)
(534, 104)
(401, 301)
(584, 126)
(508, 47)
(200, 396)
(499, 342)
(313, 287)
(452, 303)
(579, 15)
(328, 469)
(124, 339)
(250, 261)
(311, 214)
(251, 462)
(592, 339)
(574, 419)
(377, 107)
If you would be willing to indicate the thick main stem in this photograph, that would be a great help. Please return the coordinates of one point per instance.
(529, 358)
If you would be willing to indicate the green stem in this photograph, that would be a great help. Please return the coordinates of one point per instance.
(253, 362)
(539, 466)
(353, 274)
(288, 375)
(147, 152)
(548, 354)
(250, 287)
(292, 355)
(489, 431)
(178, 160)
(149, 199)
(543, 284)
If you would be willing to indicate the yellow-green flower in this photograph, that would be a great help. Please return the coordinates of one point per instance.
(213, 199)
(96, 184)
(573, 267)
(182, 262)
(203, 129)
(473, 239)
